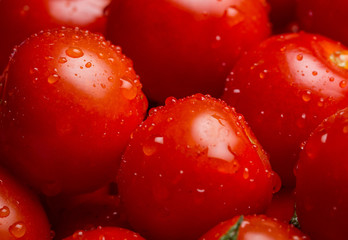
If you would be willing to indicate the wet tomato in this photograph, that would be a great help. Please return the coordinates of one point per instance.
(327, 17)
(21, 214)
(254, 227)
(69, 101)
(106, 233)
(285, 87)
(183, 47)
(21, 18)
(322, 180)
(191, 164)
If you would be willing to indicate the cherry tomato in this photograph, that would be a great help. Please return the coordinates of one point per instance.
(70, 100)
(21, 18)
(182, 47)
(21, 214)
(285, 87)
(191, 164)
(324, 17)
(254, 227)
(322, 180)
(106, 233)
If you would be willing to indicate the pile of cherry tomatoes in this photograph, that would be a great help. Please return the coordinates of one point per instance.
(173, 119)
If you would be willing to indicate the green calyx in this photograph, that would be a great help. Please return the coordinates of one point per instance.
(232, 233)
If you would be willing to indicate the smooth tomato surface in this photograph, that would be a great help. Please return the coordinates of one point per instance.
(324, 17)
(69, 103)
(285, 87)
(191, 164)
(322, 180)
(21, 214)
(21, 18)
(181, 47)
(255, 227)
(106, 233)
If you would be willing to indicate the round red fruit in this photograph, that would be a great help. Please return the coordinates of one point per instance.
(191, 164)
(322, 180)
(21, 214)
(106, 233)
(69, 102)
(181, 47)
(254, 227)
(285, 87)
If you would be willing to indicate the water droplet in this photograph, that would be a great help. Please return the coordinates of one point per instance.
(62, 60)
(299, 57)
(343, 84)
(170, 100)
(78, 234)
(246, 173)
(331, 79)
(129, 91)
(17, 229)
(88, 65)
(101, 237)
(323, 138)
(306, 96)
(314, 73)
(200, 190)
(74, 52)
(262, 75)
(4, 212)
(53, 79)
(149, 149)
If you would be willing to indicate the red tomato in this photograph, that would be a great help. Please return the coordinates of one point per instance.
(21, 18)
(106, 233)
(183, 47)
(69, 103)
(328, 17)
(285, 88)
(255, 227)
(21, 214)
(322, 180)
(190, 165)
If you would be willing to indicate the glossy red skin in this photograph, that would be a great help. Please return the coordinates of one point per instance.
(325, 17)
(282, 206)
(181, 47)
(21, 214)
(285, 87)
(21, 18)
(256, 227)
(209, 168)
(85, 211)
(106, 233)
(66, 116)
(282, 12)
(322, 180)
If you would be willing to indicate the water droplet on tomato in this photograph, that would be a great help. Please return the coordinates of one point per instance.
(128, 90)
(306, 96)
(62, 60)
(246, 173)
(88, 65)
(78, 234)
(17, 229)
(314, 73)
(343, 84)
(299, 57)
(170, 100)
(74, 52)
(4, 212)
(149, 149)
(53, 79)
